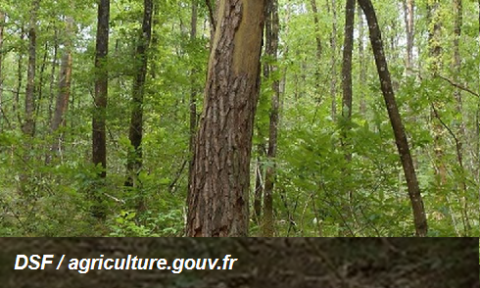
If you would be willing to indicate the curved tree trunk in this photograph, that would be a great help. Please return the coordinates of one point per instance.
(220, 178)
(416, 200)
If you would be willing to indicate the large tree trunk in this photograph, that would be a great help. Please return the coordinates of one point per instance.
(272, 27)
(220, 178)
(63, 96)
(28, 126)
(134, 162)
(99, 154)
(420, 219)
(347, 99)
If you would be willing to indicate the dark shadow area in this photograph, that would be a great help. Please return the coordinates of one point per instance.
(262, 263)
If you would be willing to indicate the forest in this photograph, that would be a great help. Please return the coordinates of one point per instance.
(290, 118)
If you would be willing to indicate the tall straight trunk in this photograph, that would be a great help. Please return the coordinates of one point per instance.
(2, 24)
(435, 53)
(134, 163)
(28, 126)
(16, 100)
(99, 153)
(459, 140)
(416, 200)
(99, 145)
(318, 39)
(193, 89)
(333, 60)
(52, 77)
(409, 16)
(272, 28)
(347, 97)
(64, 84)
(220, 178)
(363, 63)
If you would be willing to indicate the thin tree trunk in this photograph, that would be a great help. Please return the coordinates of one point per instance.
(363, 63)
(63, 96)
(99, 149)
(28, 127)
(16, 101)
(347, 98)
(318, 39)
(435, 53)
(135, 160)
(52, 78)
(459, 140)
(220, 178)
(333, 63)
(193, 91)
(409, 10)
(272, 25)
(420, 219)
(259, 182)
(2, 24)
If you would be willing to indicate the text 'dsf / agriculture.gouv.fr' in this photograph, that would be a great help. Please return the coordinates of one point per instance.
(130, 262)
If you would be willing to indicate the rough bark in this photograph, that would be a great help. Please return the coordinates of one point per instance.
(272, 25)
(347, 96)
(99, 153)
(134, 162)
(28, 126)
(63, 96)
(218, 198)
(99, 149)
(416, 200)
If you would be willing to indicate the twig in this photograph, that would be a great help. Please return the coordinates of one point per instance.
(466, 89)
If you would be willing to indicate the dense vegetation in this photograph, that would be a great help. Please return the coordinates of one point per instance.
(322, 163)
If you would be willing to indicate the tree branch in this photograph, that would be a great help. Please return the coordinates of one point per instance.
(210, 13)
(466, 89)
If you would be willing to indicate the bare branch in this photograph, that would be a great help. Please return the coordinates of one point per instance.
(466, 89)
